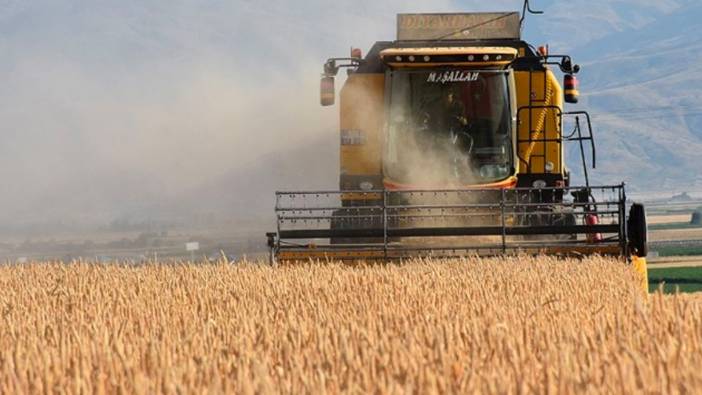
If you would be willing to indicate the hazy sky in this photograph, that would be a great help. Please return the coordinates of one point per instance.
(108, 106)
(111, 104)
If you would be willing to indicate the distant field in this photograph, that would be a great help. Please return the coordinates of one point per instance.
(683, 279)
(668, 219)
(675, 261)
(670, 227)
(659, 222)
(674, 225)
(514, 325)
(679, 250)
(675, 234)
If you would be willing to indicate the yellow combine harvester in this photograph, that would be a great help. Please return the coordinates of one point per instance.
(452, 143)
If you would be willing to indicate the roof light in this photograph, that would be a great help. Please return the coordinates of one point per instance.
(398, 58)
(427, 58)
(486, 58)
(411, 58)
(471, 57)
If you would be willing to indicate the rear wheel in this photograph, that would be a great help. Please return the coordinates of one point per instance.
(638, 230)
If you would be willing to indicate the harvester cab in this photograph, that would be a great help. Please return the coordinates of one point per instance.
(452, 142)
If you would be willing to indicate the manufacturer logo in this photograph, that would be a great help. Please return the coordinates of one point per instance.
(453, 76)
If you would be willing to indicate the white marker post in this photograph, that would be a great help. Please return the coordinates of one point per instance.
(192, 247)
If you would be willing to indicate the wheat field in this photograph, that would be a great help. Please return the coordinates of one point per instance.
(512, 325)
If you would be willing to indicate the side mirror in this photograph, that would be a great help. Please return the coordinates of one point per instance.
(570, 88)
(327, 93)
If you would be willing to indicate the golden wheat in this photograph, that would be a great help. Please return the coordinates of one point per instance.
(515, 325)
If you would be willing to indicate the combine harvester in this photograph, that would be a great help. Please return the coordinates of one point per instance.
(452, 144)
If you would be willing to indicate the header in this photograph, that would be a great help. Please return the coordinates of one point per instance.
(475, 26)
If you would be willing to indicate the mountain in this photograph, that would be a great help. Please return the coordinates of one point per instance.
(571, 25)
(644, 88)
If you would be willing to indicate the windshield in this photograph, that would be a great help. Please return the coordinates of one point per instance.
(448, 127)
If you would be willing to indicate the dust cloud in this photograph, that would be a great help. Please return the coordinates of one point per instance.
(155, 110)
(144, 110)
(435, 163)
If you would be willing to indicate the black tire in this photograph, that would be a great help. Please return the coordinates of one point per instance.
(638, 230)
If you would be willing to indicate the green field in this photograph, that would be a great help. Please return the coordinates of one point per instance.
(678, 250)
(686, 279)
(673, 225)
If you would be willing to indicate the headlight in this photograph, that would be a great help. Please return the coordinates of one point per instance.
(549, 167)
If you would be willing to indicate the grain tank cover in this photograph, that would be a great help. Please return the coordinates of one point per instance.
(461, 26)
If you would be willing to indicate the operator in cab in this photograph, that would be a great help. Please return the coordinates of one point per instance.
(452, 114)
(446, 116)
